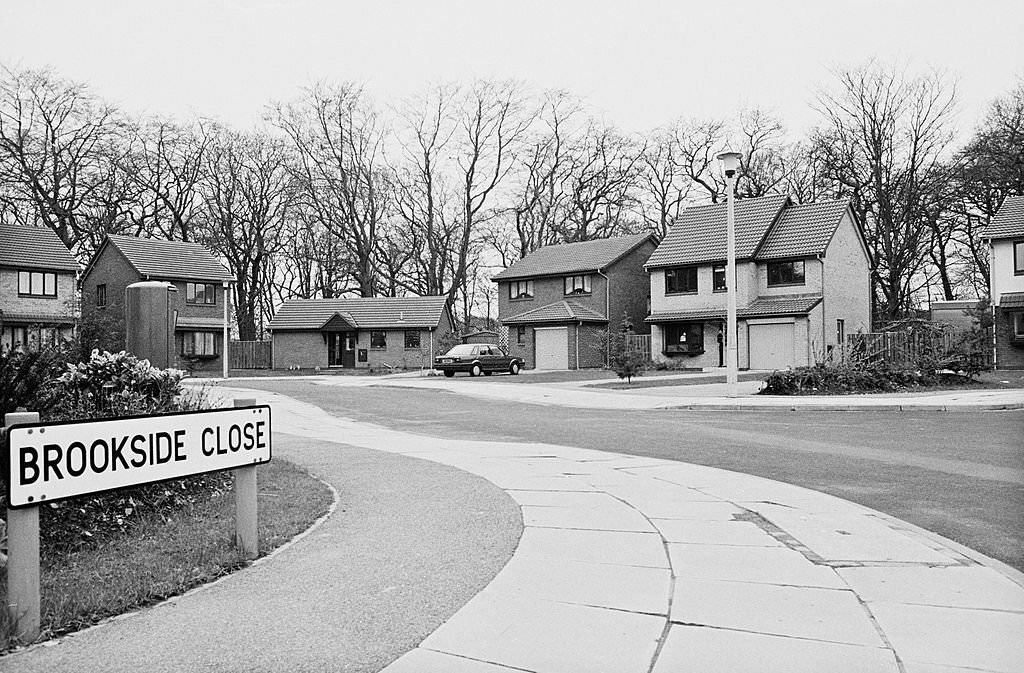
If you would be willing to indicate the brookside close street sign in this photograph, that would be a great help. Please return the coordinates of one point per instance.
(52, 461)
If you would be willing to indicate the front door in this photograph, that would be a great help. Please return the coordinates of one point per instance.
(341, 349)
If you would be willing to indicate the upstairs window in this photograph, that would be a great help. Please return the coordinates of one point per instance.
(786, 273)
(1018, 258)
(718, 278)
(101, 295)
(520, 289)
(577, 285)
(681, 280)
(200, 293)
(37, 284)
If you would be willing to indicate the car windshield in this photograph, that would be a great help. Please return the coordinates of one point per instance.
(461, 349)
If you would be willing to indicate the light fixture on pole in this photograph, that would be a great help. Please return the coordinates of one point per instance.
(730, 164)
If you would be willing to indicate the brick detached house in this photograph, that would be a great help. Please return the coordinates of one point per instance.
(38, 297)
(199, 279)
(1005, 236)
(559, 301)
(802, 282)
(361, 333)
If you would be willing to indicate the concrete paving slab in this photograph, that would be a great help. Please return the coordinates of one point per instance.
(573, 499)
(693, 648)
(767, 565)
(981, 639)
(915, 667)
(960, 586)
(602, 585)
(801, 612)
(637, 489)
(729, 533)
(615, 547)
(620, 517)
(548, 637)
(427, 661)
(860, 537)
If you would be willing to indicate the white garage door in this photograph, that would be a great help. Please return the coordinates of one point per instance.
(552, 344)
(771, 346)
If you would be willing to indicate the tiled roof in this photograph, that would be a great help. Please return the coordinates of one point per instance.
(363, 312)
(803, 230)
(34, 248)
(568, 258)
(36, 318)
(1011, 300)
(762, 307)
(698, 235)
(1009, 221)
(559, 311)
(182, 260)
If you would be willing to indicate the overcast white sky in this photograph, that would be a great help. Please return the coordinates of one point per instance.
(641, 63)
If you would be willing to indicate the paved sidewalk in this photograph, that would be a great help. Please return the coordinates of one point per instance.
(708, 397)
(636, 564)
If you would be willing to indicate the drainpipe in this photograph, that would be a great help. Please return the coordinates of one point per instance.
(226, 346)
(824, 320)
(607, 310)
(578, 328)
(431, 349)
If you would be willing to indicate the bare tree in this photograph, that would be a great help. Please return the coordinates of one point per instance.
(339, 143)
(247, 193)
(56, 142)
(883, 144)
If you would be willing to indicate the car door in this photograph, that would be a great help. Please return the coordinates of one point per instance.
(487, 359)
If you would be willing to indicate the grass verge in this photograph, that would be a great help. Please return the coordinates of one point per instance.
(166, 555)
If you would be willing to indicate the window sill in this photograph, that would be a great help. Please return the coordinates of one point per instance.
(800, 284)
(676, 350)
(522, 298)
(682, 294)
(36, 296)
(722, 291)
(578, 294)
(194, 356)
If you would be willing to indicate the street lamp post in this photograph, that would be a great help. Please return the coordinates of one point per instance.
(730, 163)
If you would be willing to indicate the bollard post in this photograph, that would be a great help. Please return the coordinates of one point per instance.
(23, 558)
(245, 502)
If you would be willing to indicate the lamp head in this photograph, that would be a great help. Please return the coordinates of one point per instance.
(730, 162)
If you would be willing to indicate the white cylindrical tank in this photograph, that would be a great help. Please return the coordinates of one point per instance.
(149, 322)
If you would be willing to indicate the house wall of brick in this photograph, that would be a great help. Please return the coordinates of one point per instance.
(630, 290)
(62, 305)
(548, 290)
(524, 350)
(1009, 354)
(112, 269)
(847, 283)
(307, 349)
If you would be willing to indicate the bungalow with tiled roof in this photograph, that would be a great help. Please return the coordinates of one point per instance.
(360, 333)
(559, 301)
(802, 283)
(198, 304)
(38, 303)
(1005, 235)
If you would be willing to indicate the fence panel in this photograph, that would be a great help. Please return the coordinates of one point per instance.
(905, 349)
(251, 355)
(640, 343)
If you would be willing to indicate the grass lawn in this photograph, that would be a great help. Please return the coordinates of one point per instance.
(164, 556)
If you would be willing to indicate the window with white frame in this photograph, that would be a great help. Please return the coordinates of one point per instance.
(718, 278)
(520, 289)
(1018, 258)
(1018, 326)
(378, 339)
(681, 280)
(577, 284)
(412, 338)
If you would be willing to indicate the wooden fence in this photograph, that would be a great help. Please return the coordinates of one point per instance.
(251, 355)
(640, 343)
(906, 349)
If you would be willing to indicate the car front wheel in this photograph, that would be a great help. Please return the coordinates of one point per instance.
(449, 373)
(513, 368)
(475, 371)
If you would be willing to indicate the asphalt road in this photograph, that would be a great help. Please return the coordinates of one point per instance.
(957, 474)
